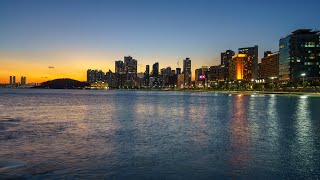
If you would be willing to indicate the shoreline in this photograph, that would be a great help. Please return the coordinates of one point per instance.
(234, 92)
(190, 90)
(261, 92)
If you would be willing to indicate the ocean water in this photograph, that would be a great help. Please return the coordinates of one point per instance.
(84, 134)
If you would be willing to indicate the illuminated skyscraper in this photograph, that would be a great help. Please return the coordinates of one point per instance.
(187, 72)
(269, 67)
(300, 54)
(252, 64)
(226, 57)
(237, 68)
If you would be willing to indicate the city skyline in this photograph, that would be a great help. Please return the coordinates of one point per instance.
(42, 45)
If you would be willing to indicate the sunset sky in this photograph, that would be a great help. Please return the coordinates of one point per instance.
(75, 35)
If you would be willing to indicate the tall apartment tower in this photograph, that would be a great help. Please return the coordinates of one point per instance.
(187, 72)
(130, 65)
(95, 76)
(269, 66)
(147, 76)
(155, 74)
(178, 70)
(119, 67)
(252, 55)
(155, 70)
(226, 57)
(23, 80)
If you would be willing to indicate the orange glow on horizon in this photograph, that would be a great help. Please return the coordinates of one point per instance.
(41, 67)
(72, 64)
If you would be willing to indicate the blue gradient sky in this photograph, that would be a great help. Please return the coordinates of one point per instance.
(74, 35)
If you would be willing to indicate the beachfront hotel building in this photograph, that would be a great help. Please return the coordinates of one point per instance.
(251, 62)
(269, 67)
(237, 67)
(300, 55)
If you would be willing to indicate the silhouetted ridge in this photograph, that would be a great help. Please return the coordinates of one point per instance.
(63, 84)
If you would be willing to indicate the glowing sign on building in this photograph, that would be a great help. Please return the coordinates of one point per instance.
(202, 76)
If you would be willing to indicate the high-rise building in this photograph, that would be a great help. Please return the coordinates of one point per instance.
(198, 77)
(100, 76)
(269, 67)
(23, 80)
(252, 55)
(167, 77)
(130, 65)
(178, 70)
(155, 70)
(10, 80)
(131, 71)
(147, 76)
(14, 80)
(266, 53)
(90, 76)
(119, 67)
(226, 57)
(180, 81)
(237, 68)
(155, 74)
(299, 55)
(112, 79)
(197, 74)
(187, 72)
(95, 76)
(217, 73)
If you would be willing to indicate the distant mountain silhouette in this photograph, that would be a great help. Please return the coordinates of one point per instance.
(63, 84)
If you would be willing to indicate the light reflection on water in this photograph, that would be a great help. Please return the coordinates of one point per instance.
(239, 136)
(171, 135)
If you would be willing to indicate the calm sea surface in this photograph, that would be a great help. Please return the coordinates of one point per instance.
(83, 134)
